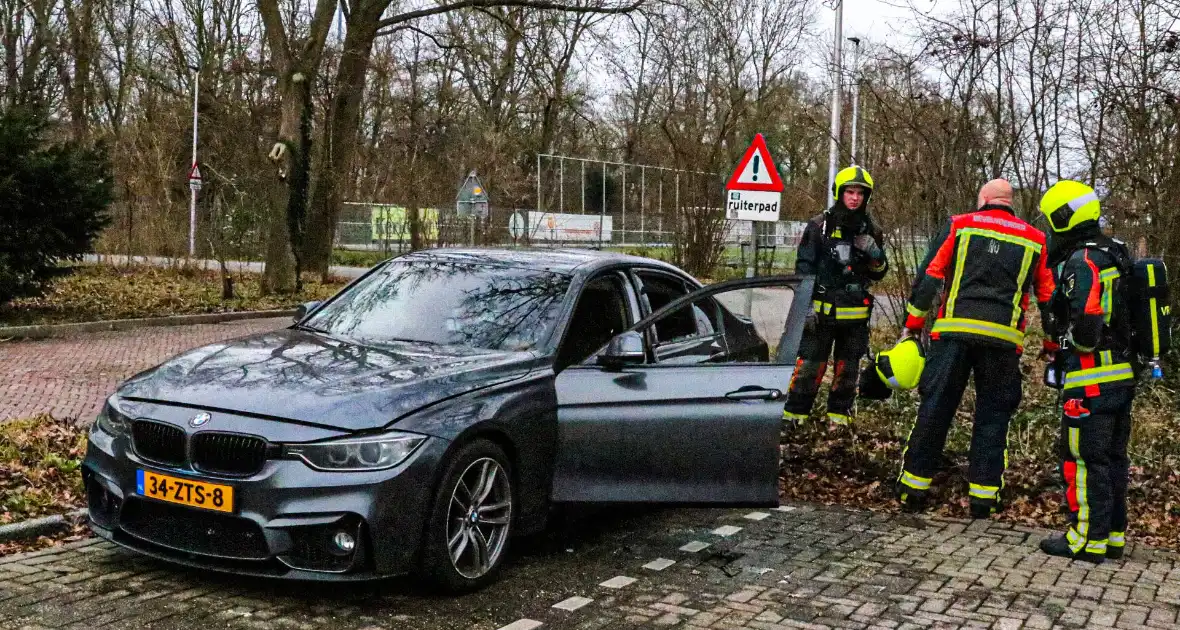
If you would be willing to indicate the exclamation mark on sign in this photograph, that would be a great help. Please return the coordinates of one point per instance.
(756, 161)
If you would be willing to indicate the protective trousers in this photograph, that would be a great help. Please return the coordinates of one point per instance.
(949, 364)
(1094, 436)
(851, 342)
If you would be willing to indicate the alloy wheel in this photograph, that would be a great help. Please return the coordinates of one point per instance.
(479, 518)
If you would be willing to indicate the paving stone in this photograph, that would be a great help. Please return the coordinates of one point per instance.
(573, 603)
(618, 582)
(659, 564)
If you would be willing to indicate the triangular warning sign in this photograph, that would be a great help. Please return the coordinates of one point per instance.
(756, 170)
(194, 174)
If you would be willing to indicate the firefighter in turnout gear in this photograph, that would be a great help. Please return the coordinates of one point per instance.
(845, 252)
(985, 265)
(1097, 367)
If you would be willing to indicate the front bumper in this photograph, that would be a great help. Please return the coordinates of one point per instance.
(285, 518)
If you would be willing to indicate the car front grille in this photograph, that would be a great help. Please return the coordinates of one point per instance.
(193, 531)
(228, 453)
(158, 442)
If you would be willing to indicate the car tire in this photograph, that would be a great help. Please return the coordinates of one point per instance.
(447, 535)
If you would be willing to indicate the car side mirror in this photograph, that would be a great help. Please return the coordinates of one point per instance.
(302, 310)
(624, 349)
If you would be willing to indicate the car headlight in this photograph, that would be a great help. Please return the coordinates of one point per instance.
(112, 422)
(375, 452)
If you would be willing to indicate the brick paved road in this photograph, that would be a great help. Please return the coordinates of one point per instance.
(800, 568)
(70, 377)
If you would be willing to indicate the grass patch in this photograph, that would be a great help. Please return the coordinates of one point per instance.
(104, 292)
(350, 258)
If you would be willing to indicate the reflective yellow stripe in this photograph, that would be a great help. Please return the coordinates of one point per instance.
(852, 312)
(1117, 539)
(1107, 277)
(1096, 546)
(979, 327)
(1099, 375)
(984, 492)
(960, 262)
(1155, 328)
(1155, 324)
(1076, 541)
(1025, 266)
(915, 482)
(787, 415)
(1081, 478)
(842, 312)
(1105, 358)
(1000, 236)
(915, 311)
(839, 418)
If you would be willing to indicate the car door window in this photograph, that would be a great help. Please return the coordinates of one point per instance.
(687, 335)
(603, 310)
(734, 336)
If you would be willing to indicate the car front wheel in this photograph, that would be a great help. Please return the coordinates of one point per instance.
(471, 519)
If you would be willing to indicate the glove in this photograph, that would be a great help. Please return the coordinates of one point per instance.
(867, 244)
(811, 321)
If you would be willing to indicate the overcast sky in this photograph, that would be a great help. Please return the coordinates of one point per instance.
(868, 19)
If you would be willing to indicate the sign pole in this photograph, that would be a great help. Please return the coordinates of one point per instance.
(752, 266)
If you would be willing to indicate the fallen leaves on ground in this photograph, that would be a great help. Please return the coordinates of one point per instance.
(106, 292)
(40, 460)
(857, 466)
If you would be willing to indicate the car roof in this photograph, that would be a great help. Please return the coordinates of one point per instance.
(573, 261)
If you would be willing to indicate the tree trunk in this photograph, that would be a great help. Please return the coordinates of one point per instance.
(336, 156)
(279, 273)
(290, 153)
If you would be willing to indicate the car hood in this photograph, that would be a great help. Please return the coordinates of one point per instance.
(309, 377)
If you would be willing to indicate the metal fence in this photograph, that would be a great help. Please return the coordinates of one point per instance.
(580, 202)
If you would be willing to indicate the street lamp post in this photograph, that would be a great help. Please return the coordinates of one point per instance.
(855, 94)
(192, 206)
(833, 147)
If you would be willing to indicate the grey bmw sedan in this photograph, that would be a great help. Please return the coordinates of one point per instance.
(440, 405)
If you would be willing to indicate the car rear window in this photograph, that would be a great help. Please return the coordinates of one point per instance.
(474, 305)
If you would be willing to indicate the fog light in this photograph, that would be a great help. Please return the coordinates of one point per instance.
(344, 542)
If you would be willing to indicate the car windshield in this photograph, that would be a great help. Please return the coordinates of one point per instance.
(479, 306)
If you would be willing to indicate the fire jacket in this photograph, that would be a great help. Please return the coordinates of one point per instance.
(842, 272)
(1092, 320)
(985, 264)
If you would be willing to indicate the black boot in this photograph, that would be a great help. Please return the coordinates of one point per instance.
(912, 501)
(1114, 553)
(981, 509)
(1059, 546)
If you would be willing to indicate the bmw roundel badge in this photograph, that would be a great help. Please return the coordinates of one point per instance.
(200, 419)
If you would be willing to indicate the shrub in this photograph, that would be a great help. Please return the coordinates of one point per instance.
(53, 202)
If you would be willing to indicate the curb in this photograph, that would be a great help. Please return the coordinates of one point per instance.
(25, 530)
(65, 330)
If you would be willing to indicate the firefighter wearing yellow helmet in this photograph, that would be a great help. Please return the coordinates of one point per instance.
(1094, 365)
(844, 250)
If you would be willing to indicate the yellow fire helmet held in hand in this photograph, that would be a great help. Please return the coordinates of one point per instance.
(900, 367)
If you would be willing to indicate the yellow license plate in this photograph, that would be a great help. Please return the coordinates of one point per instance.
(199, 494)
